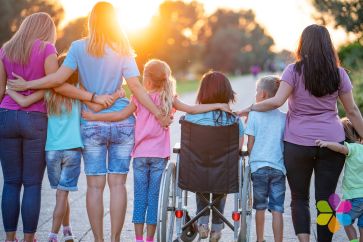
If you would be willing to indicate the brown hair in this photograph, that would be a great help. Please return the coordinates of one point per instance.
(318, 61)
(56, 102)
(215, 88)
(36, 26)
(269, 84)
(157, 74)
(351, 135)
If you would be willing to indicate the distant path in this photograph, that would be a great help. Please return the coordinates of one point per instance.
(245, 88)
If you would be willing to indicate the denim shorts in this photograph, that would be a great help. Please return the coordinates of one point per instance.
(107, 141)
(64, 167)
(357, 210)
(268, 189)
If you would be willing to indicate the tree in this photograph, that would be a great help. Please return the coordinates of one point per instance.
(170, 35)
(14, 11)
(233, 41)
(76, 29)
(346, 13)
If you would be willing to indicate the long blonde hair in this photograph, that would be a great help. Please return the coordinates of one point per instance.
(157, 75)
(56, 103)
(36, 26)
(104, 29)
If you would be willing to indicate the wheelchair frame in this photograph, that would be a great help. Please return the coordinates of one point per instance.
(173, 205)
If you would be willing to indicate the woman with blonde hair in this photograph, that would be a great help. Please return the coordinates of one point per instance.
(103, 59)
(23, 129)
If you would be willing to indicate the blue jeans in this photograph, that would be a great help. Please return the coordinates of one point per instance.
(268, 189)
(64, 167)
(22, 142)
(115, 139)
(147, 178)
(357, 211)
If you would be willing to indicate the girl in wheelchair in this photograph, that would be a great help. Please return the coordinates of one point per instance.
(214, 88)
(152, 142)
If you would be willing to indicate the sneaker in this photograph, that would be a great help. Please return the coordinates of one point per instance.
(203, 230)
(52, 240)
(215, 236)
(68, 236)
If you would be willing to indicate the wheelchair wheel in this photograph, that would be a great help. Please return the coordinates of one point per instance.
(190, 233)
(246, 202)
(166, 207)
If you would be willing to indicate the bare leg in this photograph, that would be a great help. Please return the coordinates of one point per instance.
(11, 236)
(350, 231)
(94, 200)
(151, 228)
(139, 230)
(260, 224)
(66, 219)
(303, 237)
(360, 234)
(118, 204)
(59, 210)
(277, 226)
(28, 237)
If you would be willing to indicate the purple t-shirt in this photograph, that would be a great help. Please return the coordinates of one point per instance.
(310, 118)
(31, 71)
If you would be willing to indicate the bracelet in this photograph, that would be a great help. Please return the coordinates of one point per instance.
(251, 107)
(93, 97)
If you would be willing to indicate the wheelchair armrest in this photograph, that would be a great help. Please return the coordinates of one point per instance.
(176, 149)
(243, 153)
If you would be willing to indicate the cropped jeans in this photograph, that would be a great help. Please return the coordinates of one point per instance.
(22, 142)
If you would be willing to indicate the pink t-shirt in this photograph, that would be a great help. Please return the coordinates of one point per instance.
(310, 118)
(31, 71)
(151, 140)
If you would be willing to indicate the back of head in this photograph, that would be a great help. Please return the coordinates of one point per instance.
(57, 102)
(318, 61)
(36, 26)
(215, 88)
(269, 84)
(157, 75)
(351, 135)
(104, 29)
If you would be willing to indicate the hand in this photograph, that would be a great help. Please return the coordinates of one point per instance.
(87, 115)
(243, 112)
(225, 107)
(322, 143)
(106, 100)
(18, 84)
(121, 93)
(164, 120)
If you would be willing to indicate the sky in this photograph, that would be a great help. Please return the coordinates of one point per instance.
(284, 20)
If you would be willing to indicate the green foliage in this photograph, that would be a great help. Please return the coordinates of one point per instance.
(234, 41)
(351, 55)
(12, 12)
(346, 13)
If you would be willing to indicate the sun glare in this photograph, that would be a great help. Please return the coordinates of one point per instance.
(135, 15)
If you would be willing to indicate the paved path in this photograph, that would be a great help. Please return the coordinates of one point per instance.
(245, 87)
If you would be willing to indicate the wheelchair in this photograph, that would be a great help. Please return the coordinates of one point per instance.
(221, 167)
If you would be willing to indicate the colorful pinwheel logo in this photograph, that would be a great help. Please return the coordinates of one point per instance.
(327, 209)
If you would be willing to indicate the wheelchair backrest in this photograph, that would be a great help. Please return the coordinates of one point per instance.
(209, 158)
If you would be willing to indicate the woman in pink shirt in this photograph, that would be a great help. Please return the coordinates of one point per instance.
(312, 85)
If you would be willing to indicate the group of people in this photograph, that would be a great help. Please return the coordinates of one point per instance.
(56, 110)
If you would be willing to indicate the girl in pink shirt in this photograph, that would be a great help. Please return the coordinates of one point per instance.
(152, 142)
